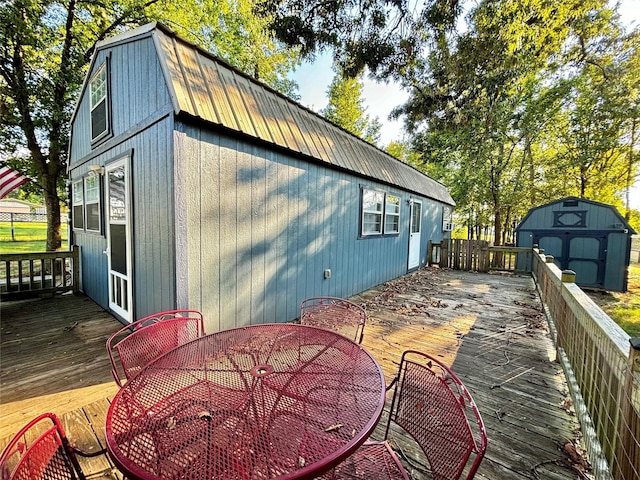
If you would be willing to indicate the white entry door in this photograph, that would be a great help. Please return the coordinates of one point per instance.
(415, 227)
(119, 238)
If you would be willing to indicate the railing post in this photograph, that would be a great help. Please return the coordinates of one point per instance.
(75, 272)
(549, 259)
(568, 276)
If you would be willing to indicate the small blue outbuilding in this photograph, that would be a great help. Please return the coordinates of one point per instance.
(588, 237)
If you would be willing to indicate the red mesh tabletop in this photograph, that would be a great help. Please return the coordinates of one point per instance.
(265, 401)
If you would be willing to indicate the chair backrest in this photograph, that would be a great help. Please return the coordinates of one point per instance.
(336, 314)
(40, 450)
(432, 405)
(144, 340)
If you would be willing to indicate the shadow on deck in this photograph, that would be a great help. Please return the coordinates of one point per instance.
(489, 328)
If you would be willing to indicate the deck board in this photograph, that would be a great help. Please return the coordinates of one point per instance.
(488, 328)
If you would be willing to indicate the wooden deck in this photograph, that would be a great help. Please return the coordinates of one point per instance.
(489, 328)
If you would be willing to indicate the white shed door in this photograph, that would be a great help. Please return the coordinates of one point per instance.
(119, 239)
(415, 227)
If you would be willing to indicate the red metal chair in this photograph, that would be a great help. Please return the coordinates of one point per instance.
(41, 450)
(142, 341)
(336, 314)
(434, 407)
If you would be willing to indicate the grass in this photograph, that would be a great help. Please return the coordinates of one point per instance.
(26, 237)
(623, 308)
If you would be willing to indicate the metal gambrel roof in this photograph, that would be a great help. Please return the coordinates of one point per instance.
(206, 87)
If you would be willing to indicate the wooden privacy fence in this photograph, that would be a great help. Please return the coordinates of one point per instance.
(479, 256)
(29, 274)
(602, 365)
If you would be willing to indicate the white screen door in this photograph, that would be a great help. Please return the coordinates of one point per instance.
(415, 227)
(119, 239)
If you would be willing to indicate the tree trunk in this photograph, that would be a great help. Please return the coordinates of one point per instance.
(497, 222)
(52, 202)
(629, 173)
(532, 173)
(583, 181)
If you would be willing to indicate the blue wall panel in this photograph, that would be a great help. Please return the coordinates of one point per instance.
(137, 90)
(151, 175)
(281, 222)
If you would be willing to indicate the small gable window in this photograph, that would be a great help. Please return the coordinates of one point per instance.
(99, 103)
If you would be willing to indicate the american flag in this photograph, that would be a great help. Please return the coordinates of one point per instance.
(10, 180)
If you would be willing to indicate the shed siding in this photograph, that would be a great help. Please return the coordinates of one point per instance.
(596, 247)
(615, 264)
(597, 217)
(137, 90)
(260, 228)
(152, 220)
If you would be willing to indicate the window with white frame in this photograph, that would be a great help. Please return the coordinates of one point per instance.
(392, 214)
(98, 95)
(380, 213)
(92, 202)
(447, 222)
(78, 205)
(372, 206)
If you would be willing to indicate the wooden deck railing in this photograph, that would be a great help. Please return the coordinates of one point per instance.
(479, 256)
(28, 274)
(602, 365)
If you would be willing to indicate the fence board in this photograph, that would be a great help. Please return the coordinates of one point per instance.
(594, 351)
(479, 256)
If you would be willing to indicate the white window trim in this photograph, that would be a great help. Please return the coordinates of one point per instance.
(382, 214)
(93, 105)
(76, 203)
(368, 212)
(87, 203)
(391, 214)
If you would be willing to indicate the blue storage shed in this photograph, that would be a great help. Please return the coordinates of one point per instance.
(195, 186)
(590, 238)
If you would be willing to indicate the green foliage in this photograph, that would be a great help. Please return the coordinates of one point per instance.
(623, 308)
(534, 101)
(382, 35)
(45, 47)
(403, 151)
(346, 108)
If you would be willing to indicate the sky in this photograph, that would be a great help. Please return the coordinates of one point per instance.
(380, 99)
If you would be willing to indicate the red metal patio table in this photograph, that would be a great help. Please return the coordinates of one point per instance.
(264, 401)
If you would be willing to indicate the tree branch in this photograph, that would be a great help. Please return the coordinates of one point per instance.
(114, 25)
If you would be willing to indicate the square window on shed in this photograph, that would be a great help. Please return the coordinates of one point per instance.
(98, 94)
(78, 205)
(392, 214)
(372, 205)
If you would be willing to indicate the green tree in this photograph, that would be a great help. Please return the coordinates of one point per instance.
(483, 97)
(378, 34)
(45, 48)
(346, 108)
